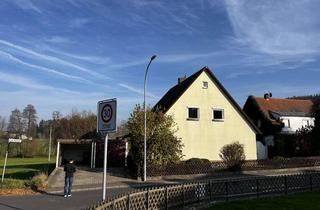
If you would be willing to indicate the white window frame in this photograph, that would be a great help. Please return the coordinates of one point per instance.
(218, 109)
(198, 113)
(307, 123)
(288, 123)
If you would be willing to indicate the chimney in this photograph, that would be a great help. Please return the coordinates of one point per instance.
(181, 79)
(267, 95)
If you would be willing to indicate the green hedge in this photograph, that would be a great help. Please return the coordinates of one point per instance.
(28, 148)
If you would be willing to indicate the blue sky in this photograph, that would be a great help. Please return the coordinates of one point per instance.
(68, 54)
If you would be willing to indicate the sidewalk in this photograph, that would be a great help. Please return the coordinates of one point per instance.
(88, 179)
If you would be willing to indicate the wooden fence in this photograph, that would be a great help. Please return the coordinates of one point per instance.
(184, 168)
(181, 195)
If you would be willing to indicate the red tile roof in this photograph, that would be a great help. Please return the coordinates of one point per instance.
(284, 105)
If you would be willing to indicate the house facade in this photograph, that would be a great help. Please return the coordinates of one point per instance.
(207, 117)
(277, 118)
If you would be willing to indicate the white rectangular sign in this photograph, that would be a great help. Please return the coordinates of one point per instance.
(14, 140)
(107, 116)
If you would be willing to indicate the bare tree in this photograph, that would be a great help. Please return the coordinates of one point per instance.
(56, 115)
(75, 125)
(2, 124)
(15, 122)
(30, 120)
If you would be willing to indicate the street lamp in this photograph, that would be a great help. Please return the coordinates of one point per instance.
(145, 121)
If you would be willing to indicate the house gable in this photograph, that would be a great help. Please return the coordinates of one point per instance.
(171, 97)
(203, 137)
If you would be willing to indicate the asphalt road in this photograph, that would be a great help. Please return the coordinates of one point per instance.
(78, 200)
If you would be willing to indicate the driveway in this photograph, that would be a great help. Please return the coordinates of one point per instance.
(55, 201)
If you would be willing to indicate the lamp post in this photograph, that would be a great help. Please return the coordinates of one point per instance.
(145, 121)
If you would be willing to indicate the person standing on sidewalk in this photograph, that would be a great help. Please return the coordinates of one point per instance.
(69, 168)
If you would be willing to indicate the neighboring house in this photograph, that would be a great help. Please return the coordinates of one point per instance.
(277, 117)
(207, 117)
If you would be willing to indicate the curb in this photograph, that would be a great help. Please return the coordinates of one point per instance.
(115, 187)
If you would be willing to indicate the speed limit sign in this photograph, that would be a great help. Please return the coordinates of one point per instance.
(107, 120)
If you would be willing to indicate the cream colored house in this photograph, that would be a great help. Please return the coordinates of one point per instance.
(207, 117)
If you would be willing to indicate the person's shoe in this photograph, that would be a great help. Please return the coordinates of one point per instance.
(69, 195)
(65, 196)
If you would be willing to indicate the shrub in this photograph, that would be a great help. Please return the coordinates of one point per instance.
(28, 148)
(233, 155)
(39, 181)
(278, 158)
(197, 161)
(12, 183)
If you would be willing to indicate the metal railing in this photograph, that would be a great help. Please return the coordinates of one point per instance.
(181, 195)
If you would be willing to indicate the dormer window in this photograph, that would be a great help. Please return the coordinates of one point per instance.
(205, 85)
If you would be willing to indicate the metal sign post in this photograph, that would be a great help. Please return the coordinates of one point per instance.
(106, 123)
(49, 152)
(10, 140)
(5, 162)
(104, 187)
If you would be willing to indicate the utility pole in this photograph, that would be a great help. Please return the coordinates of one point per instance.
(50, 133)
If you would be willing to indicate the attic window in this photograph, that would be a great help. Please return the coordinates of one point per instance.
(193, 113)
(204, 85)
(218, 114)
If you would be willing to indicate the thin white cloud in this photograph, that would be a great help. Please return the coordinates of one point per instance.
(26, 5)
(59, 40)
(29, 83)
(168, 58)
(135, 90)
(78, 22)
(275, 27)
(121, 65)
(51, 59)
(186, 57)
(87, 58)
(8, 56)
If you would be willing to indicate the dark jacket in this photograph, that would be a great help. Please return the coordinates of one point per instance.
(69, 168)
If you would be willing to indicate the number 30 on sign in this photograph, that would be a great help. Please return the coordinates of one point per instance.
(106, 116)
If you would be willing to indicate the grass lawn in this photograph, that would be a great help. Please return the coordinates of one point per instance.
(26, 168)
(300, 201)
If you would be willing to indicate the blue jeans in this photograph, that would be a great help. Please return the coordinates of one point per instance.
(67, 185)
